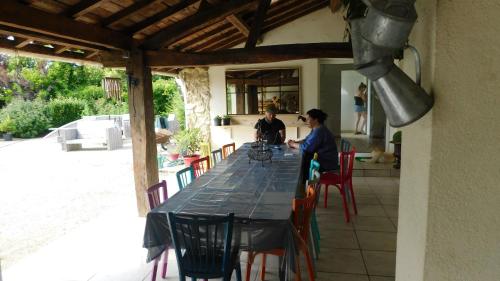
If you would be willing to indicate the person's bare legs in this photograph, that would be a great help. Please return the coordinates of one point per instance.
(363, 125)
(357, 123)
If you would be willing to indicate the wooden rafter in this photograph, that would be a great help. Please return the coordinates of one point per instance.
(335, 5)
(247, 56)
(123, 14)
(24, 43)
(160, 16)
(91, 55)
(257, 23)
(293, 14)
(83, 7)
(62, 49)
(195, 23)
(210, 44)
(202, 40)
(35, 20)
(239, 24)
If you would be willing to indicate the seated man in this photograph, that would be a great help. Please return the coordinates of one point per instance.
(270, 128)
(320, 141)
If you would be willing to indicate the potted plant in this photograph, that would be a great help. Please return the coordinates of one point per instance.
(396, 140)
(226, 120)
(188, 142)
(8, 127)
(217, 120)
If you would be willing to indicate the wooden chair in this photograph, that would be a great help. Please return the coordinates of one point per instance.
(314, 178)
(200, 166)
(157, 194)
(343, 181)
(216, 156)
(203, 246)
(185, 177)
(228, 149)
(205, 150)
(302, 211)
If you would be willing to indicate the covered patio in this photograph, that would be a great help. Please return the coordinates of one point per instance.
(445, 214)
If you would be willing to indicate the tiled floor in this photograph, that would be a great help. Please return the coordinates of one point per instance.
(362, 250)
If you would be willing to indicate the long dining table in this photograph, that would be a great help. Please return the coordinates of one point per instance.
(259, 194)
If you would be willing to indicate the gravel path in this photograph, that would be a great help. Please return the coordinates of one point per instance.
(45, 192)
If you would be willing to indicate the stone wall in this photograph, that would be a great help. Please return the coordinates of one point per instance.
(197, 99)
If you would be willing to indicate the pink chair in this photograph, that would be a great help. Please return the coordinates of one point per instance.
(157, 194)
(342, 180)
(200, 166)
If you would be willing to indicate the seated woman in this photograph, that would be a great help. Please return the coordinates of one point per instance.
(320, 141)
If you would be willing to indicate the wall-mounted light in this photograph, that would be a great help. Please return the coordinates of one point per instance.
(375, 39)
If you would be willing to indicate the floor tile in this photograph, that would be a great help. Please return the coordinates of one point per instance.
(373, 224)
(371, 210)
(366, 199)
(327, 276)
(333, 222)
(380, 263)
(341, 261)
(388, 200)
(381, 241)
(385, 190)
(338, 239)
(381, 278)
(391, 210)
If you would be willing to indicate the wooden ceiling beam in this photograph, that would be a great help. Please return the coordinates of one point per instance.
(91, 55)
(15, 14)
(335, 5)
(202, 39)
(223, 37)
(195, 23)
(247, 56)
(83, 7)
(160, 16)
(128, 11)
(239, 24)
(62, 49)
(24, 43)
(7, 30)
(257, 23)
(294, 14)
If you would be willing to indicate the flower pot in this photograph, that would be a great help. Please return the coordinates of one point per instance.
(188, 159)
(173, 156)
(226, 121)
(7, 136)
(217, 122)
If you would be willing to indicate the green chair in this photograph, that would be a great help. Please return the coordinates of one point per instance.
(185, 177)
(314, 175)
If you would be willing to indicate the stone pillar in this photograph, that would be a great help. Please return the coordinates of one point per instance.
(197, 99)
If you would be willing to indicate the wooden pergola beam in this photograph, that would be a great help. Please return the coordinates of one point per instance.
(195, 23)
(15, 14)
(135, 7)
(239, 24)
(335, 5)
(248, 56)
(40, 37)
(62, 49)
(24, 43)
(83, 7)
(257, 23)
(160, 16)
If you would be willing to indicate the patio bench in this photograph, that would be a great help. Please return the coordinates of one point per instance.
(91, 133)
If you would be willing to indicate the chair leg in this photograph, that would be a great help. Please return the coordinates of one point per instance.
(326, 195)
(238, 271)
(344, 202)
(311, 238)
(249, 265)
(263, 268)
(310, 268)
(353, 199)
(165, 262)
(155, 269)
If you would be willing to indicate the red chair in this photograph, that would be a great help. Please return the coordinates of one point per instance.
(228, 149)
(343, 181)
(200, 166)
(157, 194)
(302, 211)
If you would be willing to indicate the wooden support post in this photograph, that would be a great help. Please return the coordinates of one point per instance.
(142, 127)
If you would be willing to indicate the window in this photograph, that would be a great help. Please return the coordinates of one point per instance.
(252, 91)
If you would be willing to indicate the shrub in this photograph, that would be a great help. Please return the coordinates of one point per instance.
(89, 93)
(106, 107)
(165, 92)
(61, 111)
(188, 141)
(28, 116)
(7, 125)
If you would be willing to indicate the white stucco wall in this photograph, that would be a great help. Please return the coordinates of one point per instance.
(449, 222)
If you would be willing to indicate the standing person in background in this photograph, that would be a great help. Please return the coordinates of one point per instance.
(360, 108)
(270, 128)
